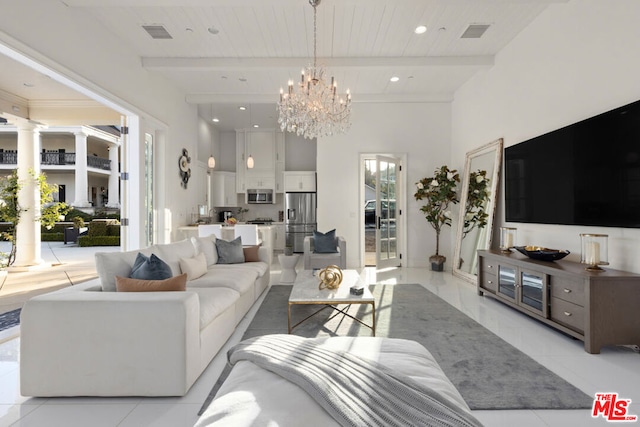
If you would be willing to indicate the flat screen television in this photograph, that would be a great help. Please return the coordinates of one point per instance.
(587, 173)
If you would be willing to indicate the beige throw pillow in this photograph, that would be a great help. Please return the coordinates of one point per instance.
(194, 267)
(127, 284)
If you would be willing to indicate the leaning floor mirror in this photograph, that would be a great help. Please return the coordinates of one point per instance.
(477, 207)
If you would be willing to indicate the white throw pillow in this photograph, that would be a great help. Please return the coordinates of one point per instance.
(194, 267)
(207, 246)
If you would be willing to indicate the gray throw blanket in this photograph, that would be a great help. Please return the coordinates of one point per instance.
(355, 392)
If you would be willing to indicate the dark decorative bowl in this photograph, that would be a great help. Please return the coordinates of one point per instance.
(542, 254)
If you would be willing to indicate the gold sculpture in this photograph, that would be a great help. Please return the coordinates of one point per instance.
(330, 277)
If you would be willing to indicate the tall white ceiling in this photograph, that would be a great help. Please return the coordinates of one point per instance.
(260, 44)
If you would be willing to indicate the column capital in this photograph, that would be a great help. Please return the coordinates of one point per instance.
(26, 124)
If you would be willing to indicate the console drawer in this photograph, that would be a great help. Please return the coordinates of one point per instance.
(489, 282)
(567, 314)
(488, 266)
(568, 290)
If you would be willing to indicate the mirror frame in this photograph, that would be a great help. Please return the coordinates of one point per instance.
(497, 147)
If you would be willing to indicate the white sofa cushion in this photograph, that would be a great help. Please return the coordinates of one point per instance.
(194, 267)
(238, 279)
(172, 252)
(207, 246)
(214, 301)
(260, 268)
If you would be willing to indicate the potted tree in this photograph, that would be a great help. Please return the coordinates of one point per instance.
(438, 192)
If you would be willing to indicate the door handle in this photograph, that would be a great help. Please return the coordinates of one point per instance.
(378, 222)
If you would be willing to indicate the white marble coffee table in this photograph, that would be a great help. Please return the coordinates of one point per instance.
(306, 292)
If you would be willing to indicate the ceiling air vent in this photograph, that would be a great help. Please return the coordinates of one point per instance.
(474, 31)
(157, 32)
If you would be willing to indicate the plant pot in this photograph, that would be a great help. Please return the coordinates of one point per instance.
(437, 262)
(288, 250)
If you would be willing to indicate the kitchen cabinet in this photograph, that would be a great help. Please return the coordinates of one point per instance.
(278, 237)
(260, 182)
(223, 189)
(267, 150)
(599, 308)
(280, 150)
(262, 147)
(300, 181)
(241, 161)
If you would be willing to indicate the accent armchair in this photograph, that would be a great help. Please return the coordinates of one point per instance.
(321, 260)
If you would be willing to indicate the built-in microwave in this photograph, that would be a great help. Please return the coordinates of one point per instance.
(259, 196)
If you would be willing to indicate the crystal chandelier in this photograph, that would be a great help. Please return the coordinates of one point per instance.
(315, 109)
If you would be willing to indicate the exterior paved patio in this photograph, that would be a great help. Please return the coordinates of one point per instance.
(69, 265)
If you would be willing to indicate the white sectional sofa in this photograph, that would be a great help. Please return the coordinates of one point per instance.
(89, 340)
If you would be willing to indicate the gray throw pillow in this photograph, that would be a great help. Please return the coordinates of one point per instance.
(325, 243)
(150, 268)
(230, 252)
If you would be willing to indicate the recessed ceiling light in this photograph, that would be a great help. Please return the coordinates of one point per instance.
(256, 126)
(242, 79)
(421, 29)
(213, 30)
(215, 120)
(242, 108)
(394, 79)
(27, 84)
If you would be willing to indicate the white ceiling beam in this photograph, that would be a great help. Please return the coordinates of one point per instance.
(159, 63)
(252, 3)
(213, 98)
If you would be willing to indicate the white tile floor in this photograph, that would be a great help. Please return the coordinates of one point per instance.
(616, 369)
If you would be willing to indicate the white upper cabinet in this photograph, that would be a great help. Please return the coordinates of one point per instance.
(300, 181)
(266, 148)
(262, 147)
(223, 189)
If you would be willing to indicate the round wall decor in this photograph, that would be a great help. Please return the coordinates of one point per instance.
(185, 171)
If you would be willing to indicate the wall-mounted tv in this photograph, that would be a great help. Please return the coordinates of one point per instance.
(587, 173)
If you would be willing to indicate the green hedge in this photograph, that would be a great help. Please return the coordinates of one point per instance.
(113, 230)
(52, 237)
(86, 241)
(97, 228)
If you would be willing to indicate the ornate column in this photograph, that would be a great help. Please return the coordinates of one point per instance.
(114, 178)
(28, 251)
(82, 177)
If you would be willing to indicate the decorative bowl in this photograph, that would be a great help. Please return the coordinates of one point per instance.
(542, 254)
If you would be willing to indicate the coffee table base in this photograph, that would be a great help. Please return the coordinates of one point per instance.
(335, 308)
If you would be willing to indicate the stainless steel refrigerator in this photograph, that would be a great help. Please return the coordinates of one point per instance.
(299, 218)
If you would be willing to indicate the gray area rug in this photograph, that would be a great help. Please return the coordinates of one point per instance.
(488, 372)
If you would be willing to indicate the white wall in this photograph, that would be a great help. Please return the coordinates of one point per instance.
(419, 130)
(69, 38)
(576, 60)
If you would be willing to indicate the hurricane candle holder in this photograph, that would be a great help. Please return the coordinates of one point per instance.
(594, 251)
(507, 239)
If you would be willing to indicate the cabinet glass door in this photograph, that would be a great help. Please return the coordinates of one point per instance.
(507, 282)
(534, 292)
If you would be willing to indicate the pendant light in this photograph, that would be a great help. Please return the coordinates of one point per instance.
(250, 158)
(211, 163)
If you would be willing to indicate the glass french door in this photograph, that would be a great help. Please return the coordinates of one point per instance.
(149, 210)
(387, 171)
